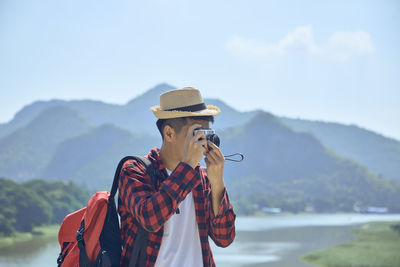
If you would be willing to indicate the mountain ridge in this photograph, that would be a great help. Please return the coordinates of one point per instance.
(283, 167)
(380, 154)
(36, 141)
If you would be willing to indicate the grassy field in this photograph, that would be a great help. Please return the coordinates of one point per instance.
(377, 244)
(43, 231)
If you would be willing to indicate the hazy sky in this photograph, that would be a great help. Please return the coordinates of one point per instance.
(327, 60)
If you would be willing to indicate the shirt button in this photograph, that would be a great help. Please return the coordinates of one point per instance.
(156, 246)
(214, 224)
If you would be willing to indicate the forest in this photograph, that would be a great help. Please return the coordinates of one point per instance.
(37, 202)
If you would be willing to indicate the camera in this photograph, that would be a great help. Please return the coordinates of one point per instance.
(210, 135)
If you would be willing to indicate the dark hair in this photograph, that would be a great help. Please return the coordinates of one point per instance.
(178, 123)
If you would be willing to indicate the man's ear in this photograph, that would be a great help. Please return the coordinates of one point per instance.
(169, 134)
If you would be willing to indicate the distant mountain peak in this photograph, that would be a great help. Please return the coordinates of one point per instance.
(59, 116)
(266, 121)
(60, 111)
(109, 131)
(264, 116)
(153, 94)
(221, 104)
(162, 86)
(109, 127)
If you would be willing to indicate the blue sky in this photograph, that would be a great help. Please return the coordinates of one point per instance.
(321, 60)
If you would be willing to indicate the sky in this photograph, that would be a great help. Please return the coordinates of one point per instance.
(335, 61)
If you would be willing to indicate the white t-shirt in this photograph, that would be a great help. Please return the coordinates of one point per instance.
(180, 245)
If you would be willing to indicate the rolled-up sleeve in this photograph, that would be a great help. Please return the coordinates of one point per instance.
(149, 207)
(222, 226)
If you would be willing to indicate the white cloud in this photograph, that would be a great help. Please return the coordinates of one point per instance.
(299, 38)
(341, 45)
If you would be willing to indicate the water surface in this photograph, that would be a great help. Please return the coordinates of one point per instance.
(260, 241)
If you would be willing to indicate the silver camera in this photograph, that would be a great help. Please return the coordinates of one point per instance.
(210, 135)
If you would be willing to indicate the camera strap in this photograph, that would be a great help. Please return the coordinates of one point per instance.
(235, 160)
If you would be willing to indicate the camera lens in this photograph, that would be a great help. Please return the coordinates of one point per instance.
(214, 138)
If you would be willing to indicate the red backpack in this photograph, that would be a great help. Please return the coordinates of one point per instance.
(91, 236)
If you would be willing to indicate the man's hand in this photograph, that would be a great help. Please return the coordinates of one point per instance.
(194, 148)
(215, 161)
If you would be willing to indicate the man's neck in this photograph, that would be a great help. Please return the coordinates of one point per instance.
(169, 157)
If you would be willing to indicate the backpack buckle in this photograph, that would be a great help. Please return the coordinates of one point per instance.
(79, 233)
(60, 259)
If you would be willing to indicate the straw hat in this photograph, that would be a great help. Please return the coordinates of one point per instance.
(183, 102)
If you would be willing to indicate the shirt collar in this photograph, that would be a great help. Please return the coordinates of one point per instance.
(154, 156)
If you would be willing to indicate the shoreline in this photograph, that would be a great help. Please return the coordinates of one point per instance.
(44, 231)
(276, 241)
(289, 214)
(375, 243)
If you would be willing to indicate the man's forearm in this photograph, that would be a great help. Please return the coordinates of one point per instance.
(216, 196)
(221, 228)
(141, 201)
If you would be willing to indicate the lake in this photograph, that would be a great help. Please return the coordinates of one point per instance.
(277, 240)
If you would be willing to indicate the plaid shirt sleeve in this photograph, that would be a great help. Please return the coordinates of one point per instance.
(222, 227)
(153, 208)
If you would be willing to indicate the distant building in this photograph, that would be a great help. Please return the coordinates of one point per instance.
(374, 210)
(310, 208)
(271, 210)
(377, 210)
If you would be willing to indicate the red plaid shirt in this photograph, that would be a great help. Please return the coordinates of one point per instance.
(138, 199)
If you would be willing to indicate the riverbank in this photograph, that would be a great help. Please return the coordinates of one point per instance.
(46, 231)
(377, 244)
(270, 241)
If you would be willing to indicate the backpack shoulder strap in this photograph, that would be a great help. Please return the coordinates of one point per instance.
(144, 161)
(139, 249)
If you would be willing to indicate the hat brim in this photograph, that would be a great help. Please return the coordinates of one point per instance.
(210, 110)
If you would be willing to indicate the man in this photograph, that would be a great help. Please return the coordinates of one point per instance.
(190, 202)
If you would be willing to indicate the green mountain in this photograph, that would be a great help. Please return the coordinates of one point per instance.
(90, 159)
(229, 117)
(134, 116)
(291, 170)
(26, 151)
(381, 154)
(282, 168)
(25, 116)
(96, 112)
(290, 163)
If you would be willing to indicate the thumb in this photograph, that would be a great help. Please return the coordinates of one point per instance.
(207, 161)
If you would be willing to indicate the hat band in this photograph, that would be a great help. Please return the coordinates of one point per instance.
(192, 108)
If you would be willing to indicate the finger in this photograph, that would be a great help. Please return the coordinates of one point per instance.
(213, 154)
(212, 157)
(215, 148)
(208, 163)
(198, 136)
(191, 129)
(201, 142)
(219, 159)
(203, 150)
(210, 160)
